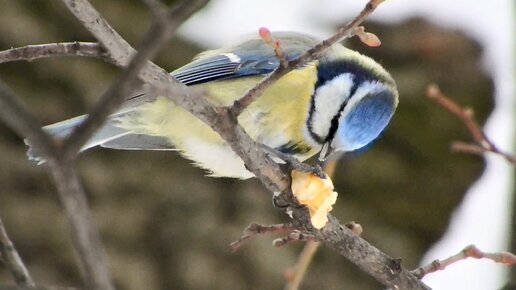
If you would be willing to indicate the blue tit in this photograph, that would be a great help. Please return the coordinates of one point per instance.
(340, 102)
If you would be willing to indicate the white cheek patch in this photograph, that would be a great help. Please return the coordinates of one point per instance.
(327, 100)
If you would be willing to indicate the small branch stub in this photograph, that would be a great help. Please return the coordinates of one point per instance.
(367, 38)
(267, 37)
(295, 236)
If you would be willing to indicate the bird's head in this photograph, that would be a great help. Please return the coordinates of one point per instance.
(354, 99)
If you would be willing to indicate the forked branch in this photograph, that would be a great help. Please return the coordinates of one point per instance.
(482, 143)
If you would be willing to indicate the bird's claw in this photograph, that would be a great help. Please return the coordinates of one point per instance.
(295, 164)
(314, 169)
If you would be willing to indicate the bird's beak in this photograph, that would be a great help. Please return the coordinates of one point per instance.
(325, 151)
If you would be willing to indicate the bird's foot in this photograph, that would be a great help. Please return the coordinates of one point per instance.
(295, 164)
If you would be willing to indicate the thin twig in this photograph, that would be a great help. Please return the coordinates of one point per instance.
(295, 275)
(39, 287)
(267, 37)
(470, 251)
(256, 229)
(12, 260)
(85, 234)
(469, 148)
(345, 32)
(76, 48)
(482, 142)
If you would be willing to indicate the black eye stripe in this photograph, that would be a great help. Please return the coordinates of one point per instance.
(335, 121)
(309, 121)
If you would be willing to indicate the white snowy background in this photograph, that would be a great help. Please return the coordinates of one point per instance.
(483, 218)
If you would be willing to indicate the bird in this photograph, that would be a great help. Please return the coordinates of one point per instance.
(340, 102)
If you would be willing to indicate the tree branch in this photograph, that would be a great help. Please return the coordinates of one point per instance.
(39, 287)
(256, 229)
(482, 143)
(295, 275)
(76, 48)
(12, 260)
(85, 234)
(371, 260)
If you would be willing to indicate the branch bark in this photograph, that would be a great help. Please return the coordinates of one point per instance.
(9, 255)
(76, 48)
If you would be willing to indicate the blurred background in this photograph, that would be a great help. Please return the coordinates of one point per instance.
(167, 226)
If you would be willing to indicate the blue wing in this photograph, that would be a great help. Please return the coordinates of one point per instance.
(250, 57)
(226, 66)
